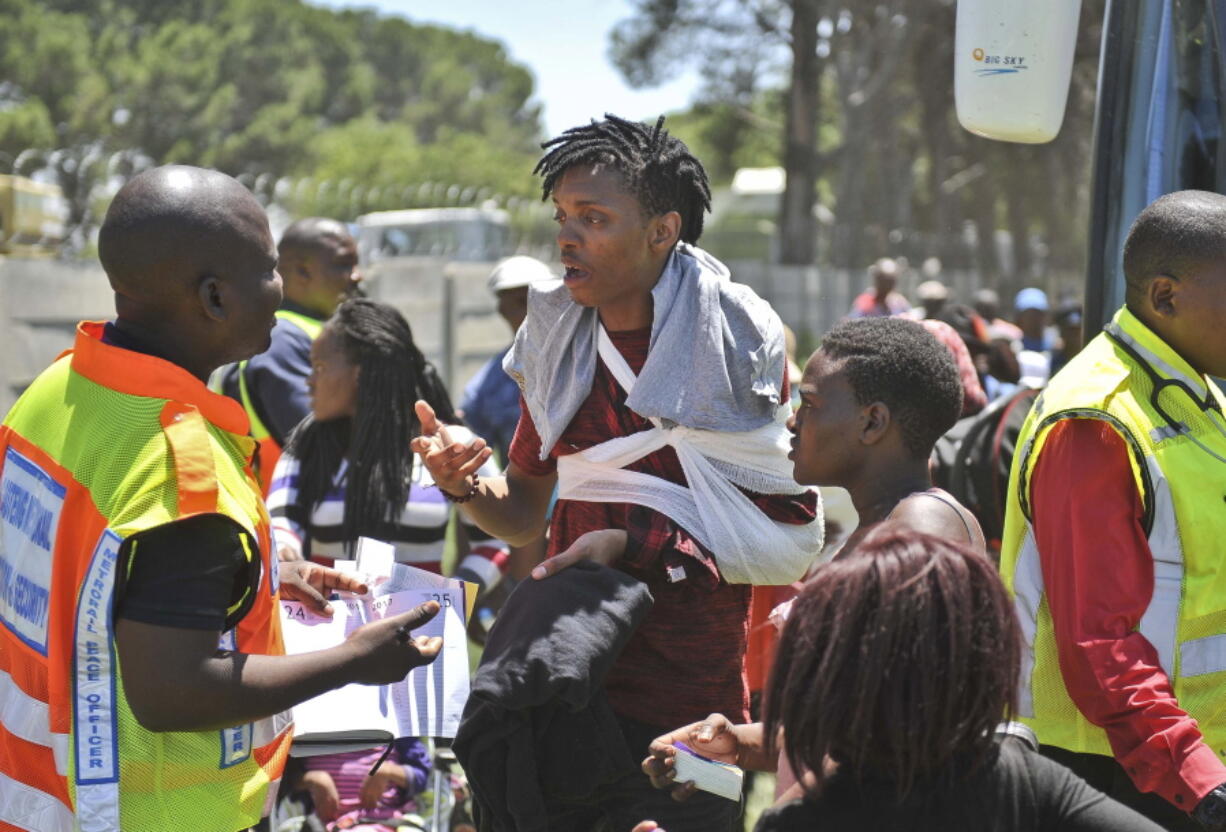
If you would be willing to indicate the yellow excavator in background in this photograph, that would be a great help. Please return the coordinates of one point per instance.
(32, 217)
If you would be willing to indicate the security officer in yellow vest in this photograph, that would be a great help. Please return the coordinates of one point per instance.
(142, 692)
(318, 261)
(1115, 534)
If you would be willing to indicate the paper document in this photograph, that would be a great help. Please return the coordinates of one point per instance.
(708, 775)
(427, 703)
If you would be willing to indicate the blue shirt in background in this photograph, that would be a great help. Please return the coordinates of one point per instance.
(491, 405)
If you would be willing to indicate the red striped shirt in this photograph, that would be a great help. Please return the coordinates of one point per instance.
(686, 660)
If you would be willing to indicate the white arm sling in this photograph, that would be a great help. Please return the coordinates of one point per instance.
(748, 546)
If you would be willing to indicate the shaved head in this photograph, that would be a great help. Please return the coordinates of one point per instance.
(190, 257)
(1175, 273)
(1175, 235)
(310, 235)
(319, 261)
(172, 225)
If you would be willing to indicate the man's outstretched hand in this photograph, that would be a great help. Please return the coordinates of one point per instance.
(311, 583)
(451, 463)
(605, 547)
(385, 651)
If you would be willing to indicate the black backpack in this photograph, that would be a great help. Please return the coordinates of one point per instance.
(972, 460)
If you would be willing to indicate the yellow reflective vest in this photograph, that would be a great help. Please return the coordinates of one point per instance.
(268, 450)
(1171, 419)
(312, 327)
(105, 444)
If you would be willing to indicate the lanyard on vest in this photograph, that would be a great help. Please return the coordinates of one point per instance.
(1161, 383)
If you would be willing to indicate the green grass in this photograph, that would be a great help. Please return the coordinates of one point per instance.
(759, 798)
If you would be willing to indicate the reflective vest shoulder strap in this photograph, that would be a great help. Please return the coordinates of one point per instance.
(187, 435)
(1134, 447)
(259, 431)
(311, 326)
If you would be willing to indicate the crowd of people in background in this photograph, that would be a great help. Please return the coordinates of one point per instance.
(1024, 351)
(1015, 622)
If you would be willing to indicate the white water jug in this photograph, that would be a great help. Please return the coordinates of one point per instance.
(1013, 61)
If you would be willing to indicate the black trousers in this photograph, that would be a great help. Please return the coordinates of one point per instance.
(631, 799)
(1109, 777)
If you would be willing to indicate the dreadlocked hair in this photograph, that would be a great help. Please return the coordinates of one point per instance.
(657, 168)
(392, 375)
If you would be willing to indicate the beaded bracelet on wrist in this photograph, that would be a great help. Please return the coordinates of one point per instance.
(472, 491)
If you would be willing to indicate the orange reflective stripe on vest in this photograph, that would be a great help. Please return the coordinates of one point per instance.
(188, 438)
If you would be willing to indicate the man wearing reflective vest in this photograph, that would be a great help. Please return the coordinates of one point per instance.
(318, 262)
(1114, 533)
(142, 676)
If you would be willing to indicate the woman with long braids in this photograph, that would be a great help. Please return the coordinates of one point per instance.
(347, 472)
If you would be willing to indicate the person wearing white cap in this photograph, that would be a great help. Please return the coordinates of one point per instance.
(932, 296)
(491, 398)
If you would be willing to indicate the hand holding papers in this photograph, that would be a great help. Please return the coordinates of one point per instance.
(387, 646)
(426, 702)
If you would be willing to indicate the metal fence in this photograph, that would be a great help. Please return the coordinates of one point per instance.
(811, 299)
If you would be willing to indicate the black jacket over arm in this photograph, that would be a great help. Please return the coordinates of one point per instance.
(537, 727)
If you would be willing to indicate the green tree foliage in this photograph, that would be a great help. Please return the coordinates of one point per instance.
(366, 164)
(868, 127)
(737, 117)
(25, 124)
(268, 90)
(731, 135)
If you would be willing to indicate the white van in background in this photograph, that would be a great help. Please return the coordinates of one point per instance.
(466, 234)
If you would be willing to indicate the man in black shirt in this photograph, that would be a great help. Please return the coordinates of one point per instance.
(186, 574)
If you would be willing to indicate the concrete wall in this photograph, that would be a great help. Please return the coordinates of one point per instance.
(453, 315)
(41, 302)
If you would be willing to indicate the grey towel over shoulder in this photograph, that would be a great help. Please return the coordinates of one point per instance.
(716, 356)
(537, 729)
